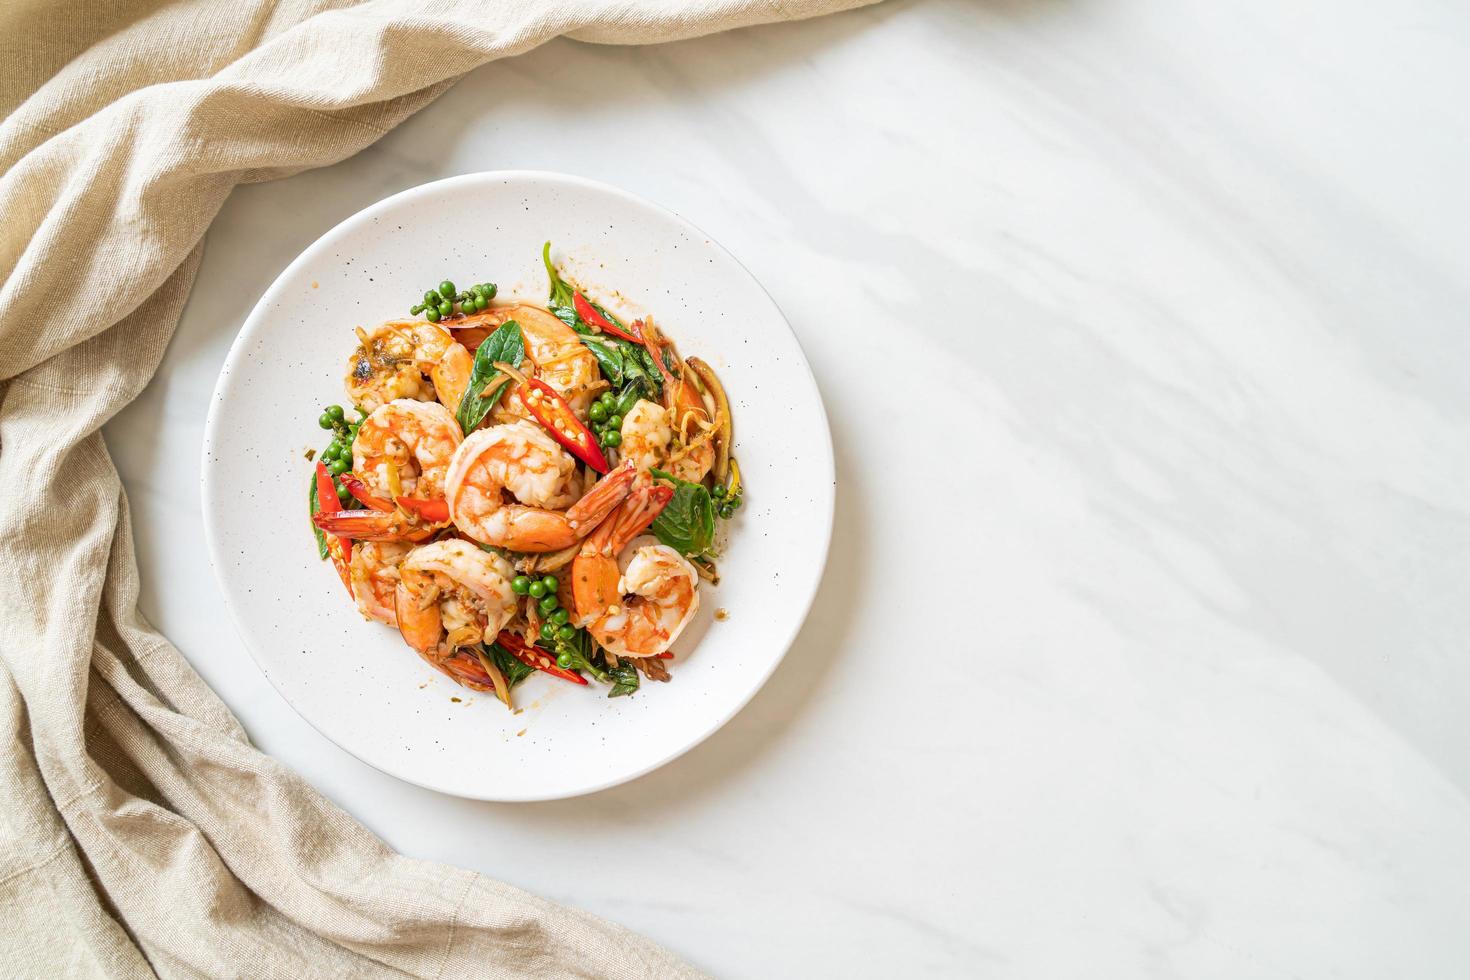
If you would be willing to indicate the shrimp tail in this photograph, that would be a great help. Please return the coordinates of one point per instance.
(657, 499)
(605, 495)
(462, 667)
(459, 666)
(370, 525)
(639, 510)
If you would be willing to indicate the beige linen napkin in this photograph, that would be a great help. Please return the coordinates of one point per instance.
(139, 830)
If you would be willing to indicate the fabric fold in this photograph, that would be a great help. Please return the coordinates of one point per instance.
(140, 832)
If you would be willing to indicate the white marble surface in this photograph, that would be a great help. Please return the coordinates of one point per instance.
(1143, 330)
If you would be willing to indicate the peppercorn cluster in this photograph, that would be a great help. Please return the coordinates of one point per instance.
(447, 301)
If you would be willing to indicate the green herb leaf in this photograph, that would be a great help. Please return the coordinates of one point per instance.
(504, 345)
(625, 680)
(625, 365)
(610, 358)
(630, 397)
(560, 292)
(321, 538)
(622, 363)
(568, 315)
(687, 523)
(514, 670)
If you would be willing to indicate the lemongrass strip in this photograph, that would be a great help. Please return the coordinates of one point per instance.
(507, 369)
(464, 636)
(502, 689)
(712, 384)
(553, 560)
(495, 380)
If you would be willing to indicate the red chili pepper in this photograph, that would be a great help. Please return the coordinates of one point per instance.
(534, 656)
(340, 549)
(359, 490)
(653, 343)
(557, 417)
(666, 655)
(589, 313)
(433, 511)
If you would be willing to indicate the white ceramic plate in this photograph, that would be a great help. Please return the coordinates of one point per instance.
(355, 681)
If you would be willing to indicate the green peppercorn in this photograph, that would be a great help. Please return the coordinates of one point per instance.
(335, 413)
(565, 634)
(551, 583)
(446, 308)
(608, 400)
(432, 314)
(480, 303)
(548, 605)
(520, 585)
(331, 451)
(344, 495)
(598, 412)
(339, 466)
(563, 659)
(537, 589)
(548, 631)
(615, 422)
(324, 421)
(727, 512)
(613, 438)
(737, 500)
(718, 491)
(431, 298)
(560, 616)
(446, 289)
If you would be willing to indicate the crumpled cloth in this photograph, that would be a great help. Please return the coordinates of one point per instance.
(140, 832)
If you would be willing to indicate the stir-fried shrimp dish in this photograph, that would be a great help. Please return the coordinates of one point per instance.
(526, 487)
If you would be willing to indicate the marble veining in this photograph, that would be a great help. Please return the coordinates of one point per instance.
(1142, 330)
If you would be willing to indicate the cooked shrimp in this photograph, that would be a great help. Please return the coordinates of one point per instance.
(690, 450)
(403, 449)
(636, 607)
(520, 459)
(561, 359)
(406, 359)
(648, 440)
(451, 595)
(451, 376)
(374, 571)
(646, 435)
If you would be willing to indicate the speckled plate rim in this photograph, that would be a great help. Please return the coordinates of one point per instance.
(211, 492)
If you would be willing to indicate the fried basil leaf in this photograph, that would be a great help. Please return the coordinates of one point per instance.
(514, 670)
(687, 522)
(316, 506)
(505, 346)
(625, 680)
